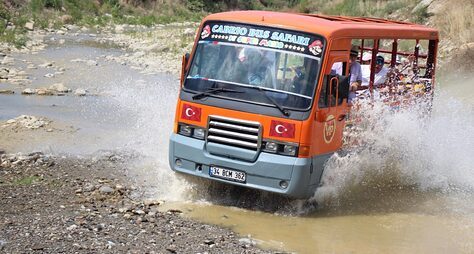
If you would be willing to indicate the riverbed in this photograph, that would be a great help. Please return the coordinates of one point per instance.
(411, 192)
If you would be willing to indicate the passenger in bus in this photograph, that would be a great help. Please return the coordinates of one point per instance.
(355, 73)
(366, 58)
(258, 65)
(259, 76)
(380, 73)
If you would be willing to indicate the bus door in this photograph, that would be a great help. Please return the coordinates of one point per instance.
(332, 108)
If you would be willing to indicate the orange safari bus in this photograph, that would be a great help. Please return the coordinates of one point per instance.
(260, 105)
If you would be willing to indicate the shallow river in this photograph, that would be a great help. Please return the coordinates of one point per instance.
(412, 191)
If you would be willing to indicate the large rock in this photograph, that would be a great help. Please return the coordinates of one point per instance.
(4, 73)
(28, 91)
(29, 122)
(59, 87)
(42, 91)
(3, 91)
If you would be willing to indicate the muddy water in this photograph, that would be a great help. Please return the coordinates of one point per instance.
(410, 191)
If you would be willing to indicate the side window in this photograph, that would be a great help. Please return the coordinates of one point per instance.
(335, 88)
(334, 85)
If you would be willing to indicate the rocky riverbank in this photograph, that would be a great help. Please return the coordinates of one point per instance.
(54, 204)
(148, 50)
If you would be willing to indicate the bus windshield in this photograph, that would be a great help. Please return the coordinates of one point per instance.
(287, 77)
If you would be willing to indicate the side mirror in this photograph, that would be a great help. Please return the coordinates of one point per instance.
(184, 64)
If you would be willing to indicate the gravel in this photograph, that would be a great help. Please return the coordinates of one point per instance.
(64, 204)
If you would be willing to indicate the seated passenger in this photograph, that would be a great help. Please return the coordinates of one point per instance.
(380, 73)
(259, 68)
(355, 72)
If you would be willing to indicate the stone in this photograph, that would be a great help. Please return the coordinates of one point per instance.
(49, 75)
(66, 19)
(42, 91)
(110, 244)
(8, 60)
(80, 92)
(174, 211)
(171, 249)
(189, 31)
(47, 64)
(28, 91)
(119, 28)
(247, 241)
(77, 60)
(30, 25)
(422, 4)
(105, 189)
(6, 91)
(59, 87)
(139, 212)
(151, 202)
(88, 187)
(92, 63)
(209, 242)
(4, 73)
(72, 227)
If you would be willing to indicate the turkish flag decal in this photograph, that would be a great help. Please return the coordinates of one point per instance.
(191, 113)
(282, 129)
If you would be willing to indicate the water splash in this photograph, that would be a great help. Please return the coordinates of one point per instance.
(151, 103)
(408, 150)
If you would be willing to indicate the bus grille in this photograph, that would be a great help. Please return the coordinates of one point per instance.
(234, 132)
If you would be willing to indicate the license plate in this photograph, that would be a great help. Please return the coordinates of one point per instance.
(227, 174)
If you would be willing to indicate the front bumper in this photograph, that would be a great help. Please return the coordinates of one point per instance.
(265, 173)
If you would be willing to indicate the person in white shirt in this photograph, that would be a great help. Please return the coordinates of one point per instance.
(356, 74)
(380, 73)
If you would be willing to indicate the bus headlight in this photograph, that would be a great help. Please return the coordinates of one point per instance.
(185, 130)
(289, 150)
(282, 148)
(270, 147)
(191, 131)
(199, 133)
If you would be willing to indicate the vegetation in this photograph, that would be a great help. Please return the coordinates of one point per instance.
(14, 14)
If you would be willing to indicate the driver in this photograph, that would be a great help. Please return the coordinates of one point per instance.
(259, 68)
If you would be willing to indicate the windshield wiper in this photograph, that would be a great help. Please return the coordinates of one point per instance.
(214, 91)
(283, 110)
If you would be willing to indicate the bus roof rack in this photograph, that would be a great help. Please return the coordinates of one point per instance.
(357, 19)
